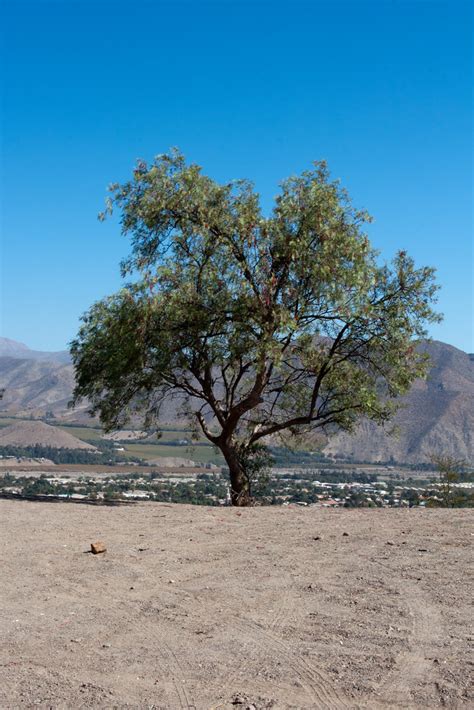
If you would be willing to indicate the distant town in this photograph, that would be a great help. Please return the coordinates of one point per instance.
(325, 487)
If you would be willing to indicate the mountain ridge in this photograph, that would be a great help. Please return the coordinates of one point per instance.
(13, 348)
(435, 417)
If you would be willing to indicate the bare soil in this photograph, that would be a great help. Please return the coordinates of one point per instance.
(194, 607)
(31, 433)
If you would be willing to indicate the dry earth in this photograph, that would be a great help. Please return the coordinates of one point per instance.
(31, 433)
(204, 608)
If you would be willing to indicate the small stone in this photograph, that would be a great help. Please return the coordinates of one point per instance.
(344, 534)
(389, 542)
(98, 547)
(317, 538)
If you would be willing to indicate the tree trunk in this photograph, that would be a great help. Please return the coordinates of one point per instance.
(239, 482)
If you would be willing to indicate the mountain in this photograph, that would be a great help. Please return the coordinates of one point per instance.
(35, 386)
(436, 417)
(31, 433)
(12, 348)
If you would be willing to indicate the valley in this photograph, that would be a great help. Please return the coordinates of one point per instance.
(436, 417)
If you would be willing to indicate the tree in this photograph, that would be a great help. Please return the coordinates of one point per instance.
(262, 327)
(449, 472)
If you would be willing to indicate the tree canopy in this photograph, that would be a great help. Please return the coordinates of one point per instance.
(260, 325)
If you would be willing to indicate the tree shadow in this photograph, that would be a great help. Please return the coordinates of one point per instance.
(59, 499)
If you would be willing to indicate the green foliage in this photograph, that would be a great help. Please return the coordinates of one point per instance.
(38, 486)
(284, 456)
(261, 325)
(256, 462)
(68, 456)
(411, 496)
(451, 471)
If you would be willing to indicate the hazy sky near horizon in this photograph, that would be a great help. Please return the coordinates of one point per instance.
(382, 90)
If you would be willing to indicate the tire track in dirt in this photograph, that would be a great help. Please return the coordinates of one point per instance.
(171, 670)
(248, 647)
(177, 673)
(412, 665)
(316, 686)
(324, 694)
(253, 649)
(255, 642)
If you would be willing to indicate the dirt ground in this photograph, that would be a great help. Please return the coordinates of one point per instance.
(210, 608)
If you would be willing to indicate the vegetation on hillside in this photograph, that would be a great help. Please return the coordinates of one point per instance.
(108, 456)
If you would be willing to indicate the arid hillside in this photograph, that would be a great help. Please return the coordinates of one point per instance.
(436, 417)
(199, 608)
(33, 387)
(26, 433)
(12, 348)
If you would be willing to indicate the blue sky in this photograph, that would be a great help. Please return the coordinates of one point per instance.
(380, 89)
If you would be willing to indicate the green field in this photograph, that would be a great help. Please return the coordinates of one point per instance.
(148, 450)
(152, 450)
(201, 454)
(6, 421)
(82, 432)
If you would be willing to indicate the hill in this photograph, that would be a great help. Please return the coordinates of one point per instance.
(436, 417)
(12, 348)
(30, 433)
(34, 387)
(261, 608)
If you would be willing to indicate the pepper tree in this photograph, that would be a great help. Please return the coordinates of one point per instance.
(260, 326)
